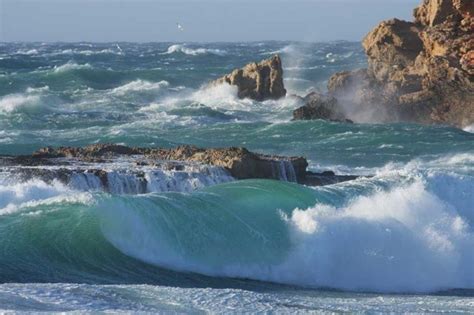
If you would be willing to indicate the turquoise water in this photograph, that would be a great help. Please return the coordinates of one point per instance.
(401, 240)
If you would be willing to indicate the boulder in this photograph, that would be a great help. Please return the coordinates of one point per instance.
(258, 81)
(319, 106)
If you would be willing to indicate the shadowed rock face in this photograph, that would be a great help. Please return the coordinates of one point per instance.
(258, 81)
(319, 106)
(418, 71)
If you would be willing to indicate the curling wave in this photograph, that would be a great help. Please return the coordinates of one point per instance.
(384, 234)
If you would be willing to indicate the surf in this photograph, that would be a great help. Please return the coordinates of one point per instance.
(407, 231)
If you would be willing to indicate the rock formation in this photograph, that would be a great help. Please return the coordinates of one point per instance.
(64, 162)
(319, 106)
(258, 81)
(418, 71)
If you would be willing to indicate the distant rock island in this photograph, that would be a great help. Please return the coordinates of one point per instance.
(258, 81)
(419, 71)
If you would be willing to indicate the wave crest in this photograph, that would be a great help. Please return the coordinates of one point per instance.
(69, 66)
(15, 102)
(178, 48)
(140, 85)
(406, 239)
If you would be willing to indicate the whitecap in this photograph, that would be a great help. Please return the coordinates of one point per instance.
(139, 85)
(71, 66)
(16, 196)
(178, 48)
(27, 52)
(13, 102)
(406, 239)
(469, 128)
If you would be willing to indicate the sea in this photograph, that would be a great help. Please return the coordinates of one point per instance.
(398, 239)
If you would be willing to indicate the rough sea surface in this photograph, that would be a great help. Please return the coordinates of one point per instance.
(401, 240)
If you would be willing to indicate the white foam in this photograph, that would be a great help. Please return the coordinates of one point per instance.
(33, 90)
(406, 239)
(469, 128)
(27, 52)
(13, 102)
(220, 95)
(71, 66)
(260, 299)
(178, 48)
(98, 52)
(120, 181)
(16, 196)
(139, 85)
(288, 49)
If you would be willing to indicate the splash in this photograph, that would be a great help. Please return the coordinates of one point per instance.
(16, 102)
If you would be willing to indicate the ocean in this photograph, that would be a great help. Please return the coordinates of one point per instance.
(400, 238)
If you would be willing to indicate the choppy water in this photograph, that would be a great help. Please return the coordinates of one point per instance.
(206, 244)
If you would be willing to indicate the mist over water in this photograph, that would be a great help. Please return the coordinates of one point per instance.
(197, 239)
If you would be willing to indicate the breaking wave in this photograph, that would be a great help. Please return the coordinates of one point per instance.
(469, 128)
(140, 85)
(15, 102)
(71, 66)
(178, 48)
(400, 231)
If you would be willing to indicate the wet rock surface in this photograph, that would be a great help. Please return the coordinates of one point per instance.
(320, 106)
(98, 165)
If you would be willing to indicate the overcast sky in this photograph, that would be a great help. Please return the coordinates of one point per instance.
(203, 20)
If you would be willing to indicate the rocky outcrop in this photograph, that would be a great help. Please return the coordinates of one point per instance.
(63, 163)
(258, 81)
(320, 106)
(418, 71)
(240, 162)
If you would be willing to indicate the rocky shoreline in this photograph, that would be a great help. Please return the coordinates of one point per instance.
(96, 166)
(420, 71)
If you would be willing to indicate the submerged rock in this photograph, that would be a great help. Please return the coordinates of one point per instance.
(258, 81)
(319, 106)
(419, 71)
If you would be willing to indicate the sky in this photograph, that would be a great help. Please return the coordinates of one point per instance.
(203, 20)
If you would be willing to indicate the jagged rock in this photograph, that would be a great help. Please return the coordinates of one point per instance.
(391, 45)
(319, 106)
(258, 81)
(421, 71)
(433, 12)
